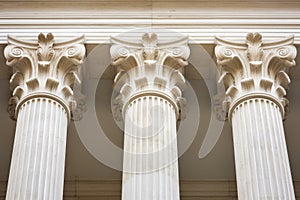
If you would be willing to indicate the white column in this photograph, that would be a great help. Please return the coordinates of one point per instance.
(151, 169)
(254, 76)
(263, 169)
(150, 100)
(37, 165)
(41, 105)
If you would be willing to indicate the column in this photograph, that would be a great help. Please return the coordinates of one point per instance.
(255, 78)
(44, 85)
(149, 86)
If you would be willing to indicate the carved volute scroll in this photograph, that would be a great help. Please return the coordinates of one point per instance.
(255, 69)
(149, 68)
(45, 68)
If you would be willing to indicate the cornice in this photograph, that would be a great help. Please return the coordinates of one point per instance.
(201, 27)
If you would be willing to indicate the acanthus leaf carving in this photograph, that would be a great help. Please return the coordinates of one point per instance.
(254, 51)
(44, 67)
(149, 51)
(11, 107)
(151, 67)
(255, 68)
(45, 51)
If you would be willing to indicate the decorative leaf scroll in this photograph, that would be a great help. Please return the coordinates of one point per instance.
(45, 51)
(255, 51)
(149, 67)
(254, 68)
(45, 67)
(149, 51)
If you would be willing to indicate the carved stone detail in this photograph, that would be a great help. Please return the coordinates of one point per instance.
(149, 67)
(255, 68)
(45, 68)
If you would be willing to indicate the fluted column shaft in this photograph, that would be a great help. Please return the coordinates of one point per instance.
(37, 166)
(262, 164)
(150, 150)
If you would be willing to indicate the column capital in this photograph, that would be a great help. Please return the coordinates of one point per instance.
(149, 67)
(254, 69)
(45, 68)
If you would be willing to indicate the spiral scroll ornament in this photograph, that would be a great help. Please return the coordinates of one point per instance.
(71, 51)
(17, 52)
(227, 52)
(181, 51)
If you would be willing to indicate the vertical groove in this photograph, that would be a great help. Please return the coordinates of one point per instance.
(168, 165)
(147, 151)
(235, 144)
(279, 156)
(154, 150)
(134, 148)
(58, 153)
(254, 166)
(130, 134)
(247, 150)
(164, 152)
(160, 132)
(43, 157)
(36, 151)
(16, 158)
(283, 155)
(285, 160)
(263, 147)
(238, 150)
(174, 185)
(26, 160)
(51, 187)
(262, 165)
(274, 167)
(258, 124)
(50, 151)
(267, 176)
(21, 164)
(140, 142)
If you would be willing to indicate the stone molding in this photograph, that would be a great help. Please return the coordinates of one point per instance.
(149, 67)
(45, 68)
(201, 20)
(99, 26)
(254, 69)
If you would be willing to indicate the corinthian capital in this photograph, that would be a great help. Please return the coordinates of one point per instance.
(149, 67)
(45, 68)
(255, 69)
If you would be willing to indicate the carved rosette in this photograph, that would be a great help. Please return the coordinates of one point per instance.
(149, 68)
(254, 69)
(45, 69)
